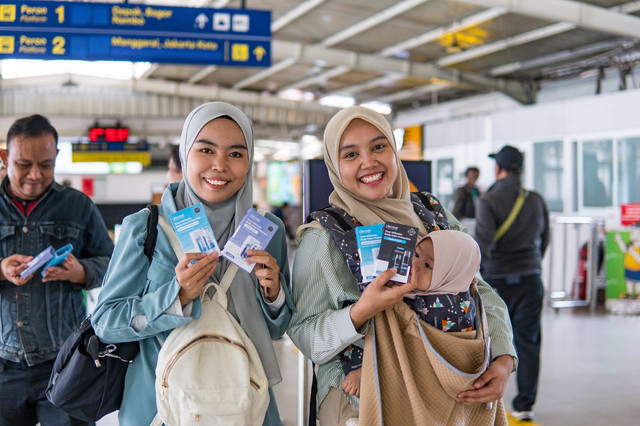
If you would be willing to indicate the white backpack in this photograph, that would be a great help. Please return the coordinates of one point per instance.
(209, 372)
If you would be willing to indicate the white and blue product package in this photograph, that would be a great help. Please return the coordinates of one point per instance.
(368, 239)
(396, 250)
(254, 233)
(193, 230)
(43, 257)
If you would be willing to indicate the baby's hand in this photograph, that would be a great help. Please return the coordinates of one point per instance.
(351, 383)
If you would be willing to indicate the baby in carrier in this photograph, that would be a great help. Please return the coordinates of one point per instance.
(443, 267)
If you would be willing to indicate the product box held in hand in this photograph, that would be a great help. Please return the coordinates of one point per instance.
(58, 257)
(43, 257)
(396, 250)
(254, 233)
(193, 230)
(368, 239)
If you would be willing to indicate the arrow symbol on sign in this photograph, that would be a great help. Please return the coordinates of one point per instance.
(201, 20)
(259, 52)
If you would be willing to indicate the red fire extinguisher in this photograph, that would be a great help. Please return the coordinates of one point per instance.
(579, 288)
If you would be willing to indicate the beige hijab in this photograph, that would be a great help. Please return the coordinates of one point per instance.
(396, 206)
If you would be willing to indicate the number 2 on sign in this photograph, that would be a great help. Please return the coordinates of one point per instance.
(58, 45)
(60, 11)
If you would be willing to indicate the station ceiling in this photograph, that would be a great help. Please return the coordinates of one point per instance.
(408, 53)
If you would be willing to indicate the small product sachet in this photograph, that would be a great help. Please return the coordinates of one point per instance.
(396, 250)
(193, 230)
(43, 257)
(254, 233)
(368, 239)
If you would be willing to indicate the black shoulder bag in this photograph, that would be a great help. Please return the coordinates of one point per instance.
(87, 380)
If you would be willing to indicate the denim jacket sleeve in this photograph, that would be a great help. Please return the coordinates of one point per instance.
(132, 287)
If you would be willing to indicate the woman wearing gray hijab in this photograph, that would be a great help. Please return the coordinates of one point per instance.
(142, 301)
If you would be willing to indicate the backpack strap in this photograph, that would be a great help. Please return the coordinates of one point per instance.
(171, 235)
(515, 210)
(337, 217)
(152, 231)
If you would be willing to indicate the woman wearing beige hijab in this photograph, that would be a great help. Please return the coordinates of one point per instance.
(370, 187)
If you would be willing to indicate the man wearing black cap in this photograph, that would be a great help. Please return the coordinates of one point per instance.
(512, 230)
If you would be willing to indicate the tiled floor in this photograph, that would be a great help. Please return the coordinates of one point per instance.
(590, 369)
(590, 372)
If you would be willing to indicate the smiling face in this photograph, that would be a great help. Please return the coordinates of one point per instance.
(422, 265)
(30, 163)
(218, 161)
(367, 161)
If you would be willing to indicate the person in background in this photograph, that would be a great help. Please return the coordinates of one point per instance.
(370, 187)
(39, 312)
(284, 214)
(174, 172)
(466, 196)
(512, 265)
(145, 302)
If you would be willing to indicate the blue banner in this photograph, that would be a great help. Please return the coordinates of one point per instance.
(99, 31)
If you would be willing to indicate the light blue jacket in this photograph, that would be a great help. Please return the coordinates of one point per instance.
(132, 287)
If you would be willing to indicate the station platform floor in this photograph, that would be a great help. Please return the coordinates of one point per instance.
(590, 373)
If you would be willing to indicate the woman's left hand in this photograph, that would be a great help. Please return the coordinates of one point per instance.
(491, 385)
(267, 271)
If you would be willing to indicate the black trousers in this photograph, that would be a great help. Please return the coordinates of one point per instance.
(523, 296)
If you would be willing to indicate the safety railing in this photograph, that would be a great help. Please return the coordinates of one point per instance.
(573, 264)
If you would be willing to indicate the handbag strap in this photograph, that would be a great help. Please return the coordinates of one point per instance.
(515, 210)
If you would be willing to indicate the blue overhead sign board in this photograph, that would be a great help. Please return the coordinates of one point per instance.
(135, 32)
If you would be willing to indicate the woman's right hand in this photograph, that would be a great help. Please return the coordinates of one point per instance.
(192, 277)
(378, 296)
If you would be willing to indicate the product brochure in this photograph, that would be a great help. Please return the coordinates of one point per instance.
(43, 257)
(396, 250)
(193, 230)
(368, 239)
(254, 233)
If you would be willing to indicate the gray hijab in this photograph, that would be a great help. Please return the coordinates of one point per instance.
(224, 218)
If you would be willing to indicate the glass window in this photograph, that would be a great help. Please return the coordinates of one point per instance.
(547, 166)
(629, 170)
(597, 173)
(444, 171)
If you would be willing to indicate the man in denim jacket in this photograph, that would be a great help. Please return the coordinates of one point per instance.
(38, 313)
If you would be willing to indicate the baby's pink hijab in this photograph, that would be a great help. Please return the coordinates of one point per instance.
(456, 259)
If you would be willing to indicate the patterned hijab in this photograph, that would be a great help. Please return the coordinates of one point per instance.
(396, 206)
(224, 218)
(456, 259)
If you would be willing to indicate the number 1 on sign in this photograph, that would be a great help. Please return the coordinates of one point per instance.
(60, 11)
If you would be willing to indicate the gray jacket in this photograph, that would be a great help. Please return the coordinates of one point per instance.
(520, 250)
(37, 317)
